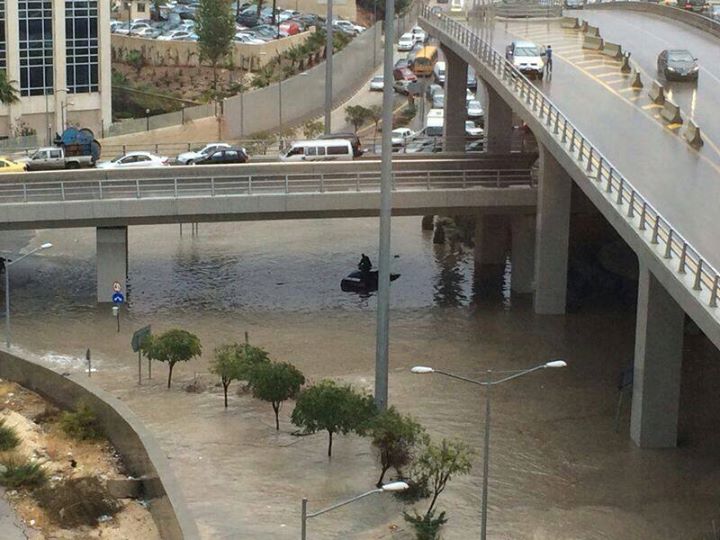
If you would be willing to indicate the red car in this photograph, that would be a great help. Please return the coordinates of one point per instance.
(404, 74)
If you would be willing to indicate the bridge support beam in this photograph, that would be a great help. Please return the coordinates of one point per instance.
(498, 123)
(455, 108)
(552, 236)
(111, 260)
(522, 253)
(658, 361)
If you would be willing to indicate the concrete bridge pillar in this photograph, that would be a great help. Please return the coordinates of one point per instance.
(522, 253)
(658, 360)
(551, 236)
(455, 109)
(498, 123)
(112, 261)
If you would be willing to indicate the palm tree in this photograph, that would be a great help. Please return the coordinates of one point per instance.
(8, 92)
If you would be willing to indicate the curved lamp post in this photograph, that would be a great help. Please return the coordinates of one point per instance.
(387, 488)
(488, 383)
(8, 264)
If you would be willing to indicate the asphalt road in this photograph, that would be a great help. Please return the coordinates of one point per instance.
(682, 183)
(10, 528)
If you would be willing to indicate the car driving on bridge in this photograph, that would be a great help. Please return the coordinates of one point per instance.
(526, 57)
(678, 64)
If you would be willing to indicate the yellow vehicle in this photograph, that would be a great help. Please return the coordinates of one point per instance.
(9, 166)
(425, 61)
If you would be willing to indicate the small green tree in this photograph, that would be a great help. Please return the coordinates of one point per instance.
(8, 91)
(313, 129)
(276, 382)
(434, 467)
(226, 364)
(394, 437)
(332, 408)
(172, 347)
(375, 113)
(356, 115)
(250, 358)
(215, 28)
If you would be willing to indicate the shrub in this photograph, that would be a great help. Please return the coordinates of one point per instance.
(77, 501)
(20, 473)
(48, 415)
(8, 437)
(82, 424)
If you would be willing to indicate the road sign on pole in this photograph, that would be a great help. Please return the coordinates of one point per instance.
(118, 298)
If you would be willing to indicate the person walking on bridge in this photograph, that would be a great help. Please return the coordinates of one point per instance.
(548, 60)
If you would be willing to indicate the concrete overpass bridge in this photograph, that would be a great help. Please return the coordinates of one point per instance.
(595, 129)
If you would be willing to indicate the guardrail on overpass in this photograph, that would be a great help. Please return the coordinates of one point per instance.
(628, 201)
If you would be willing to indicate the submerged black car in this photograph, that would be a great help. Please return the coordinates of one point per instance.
(678, 64)
(223, 156)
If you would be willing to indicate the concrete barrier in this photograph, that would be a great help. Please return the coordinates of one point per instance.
(671, 112)
(570, 22)
(692, 134)
(141, 455)
(613, 50)
(625, 67)
(593, 43)
(636, 80)
(657, 93)
(592, 30)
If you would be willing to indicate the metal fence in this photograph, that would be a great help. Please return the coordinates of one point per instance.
(606, 178)
(253, 184)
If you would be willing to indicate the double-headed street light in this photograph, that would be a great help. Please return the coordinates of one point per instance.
(387, 488)
(488, 383)
(8, 264)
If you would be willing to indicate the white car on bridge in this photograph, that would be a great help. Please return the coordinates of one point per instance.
(134, 160)
(186, 158)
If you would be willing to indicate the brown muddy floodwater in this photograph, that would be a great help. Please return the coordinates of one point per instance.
(558, 469)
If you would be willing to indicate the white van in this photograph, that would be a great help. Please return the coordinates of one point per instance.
(320, 150)
(434, 126)
(439, 71)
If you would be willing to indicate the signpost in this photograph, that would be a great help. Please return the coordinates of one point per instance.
(136, 342)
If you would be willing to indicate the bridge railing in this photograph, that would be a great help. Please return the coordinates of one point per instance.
(253, 184)
(598, 168)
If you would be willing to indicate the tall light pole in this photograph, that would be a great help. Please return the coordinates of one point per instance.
(8, 264)
(488, 383)
(387, 488)
(386, 183)
(63, 106)
(328, 67)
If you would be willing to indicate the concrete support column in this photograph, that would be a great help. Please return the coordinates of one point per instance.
(59, 62)
(479, 240)
(658, 361)
(498, 123)
(551, 236)
(105, 59)
(455, 109)
(12, 43)
(112, 260)
(522, 253)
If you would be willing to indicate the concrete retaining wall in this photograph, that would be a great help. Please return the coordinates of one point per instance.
(688, 17)
(140, 453)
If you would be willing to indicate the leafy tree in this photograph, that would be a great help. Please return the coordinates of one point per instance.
(313, 129)
(215, 29)
(332, 408)
(375, 113)
(172, 347)
(276, 382)
(394, 437)
(226, 364)
(434, 467)
(356, 115)
(8, 92)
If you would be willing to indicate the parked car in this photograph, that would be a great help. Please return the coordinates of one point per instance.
(376, 83)
(678, 64)
(148, 33)
(10, 166)
(223, 156)
(692, 5)
(290, 28)
(574, 4)
(248, 19)
(188, 157)
(249, 39)
(401, 136)
(406, 42)
(423, 145)
(175, 35)
(474, 109)
(475, 146)
(134, 160)
(348, 27)
(527, 58)
(53, 157)
(471, 130)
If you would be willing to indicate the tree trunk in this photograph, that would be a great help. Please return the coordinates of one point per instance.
(259, 9)
(276, 408)
(172, 365)
(382, 475)
(330, 433)
(274, 15)
(225, 389)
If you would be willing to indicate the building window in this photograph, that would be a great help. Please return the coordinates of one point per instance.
(141, 7)
(81, 39)
(3, 46)
(36, 47)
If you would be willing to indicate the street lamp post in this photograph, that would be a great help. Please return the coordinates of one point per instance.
(8, 264)
(63, 106)
(329, 66)
(147, 118)
(488, 383)
(387, 488)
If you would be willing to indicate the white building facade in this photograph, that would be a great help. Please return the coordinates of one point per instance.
(57, 53)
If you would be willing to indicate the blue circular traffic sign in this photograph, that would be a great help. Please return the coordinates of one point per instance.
(118, 298)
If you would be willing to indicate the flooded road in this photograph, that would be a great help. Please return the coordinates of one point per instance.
(558, 469)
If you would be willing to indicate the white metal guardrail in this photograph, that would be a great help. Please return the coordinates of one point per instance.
(258, 184)
(598, 168)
